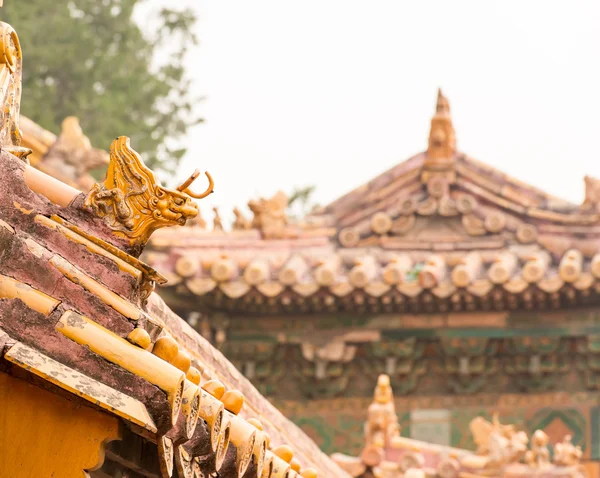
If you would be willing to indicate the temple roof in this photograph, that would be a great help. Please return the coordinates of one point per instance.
(439, 231)
(72, 296)
(79, 318)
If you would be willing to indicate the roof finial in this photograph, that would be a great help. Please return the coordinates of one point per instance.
(442, 104)
(442, 141)
(11, 72)
(382, 422)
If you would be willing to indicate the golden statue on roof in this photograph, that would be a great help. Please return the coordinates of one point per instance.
(501, 444)
(11, 72)
(382, 422)
(591, 201)
(567, 454)
(442, 139)
(132, 201)
(270, 216)
(539, 455)
(241, 222)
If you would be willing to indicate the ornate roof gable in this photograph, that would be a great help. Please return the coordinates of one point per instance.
(444, 200)
(440, 231)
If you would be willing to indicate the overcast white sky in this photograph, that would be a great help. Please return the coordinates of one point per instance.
(332, 93)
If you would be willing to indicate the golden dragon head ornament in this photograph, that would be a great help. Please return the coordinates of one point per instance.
(133, 202)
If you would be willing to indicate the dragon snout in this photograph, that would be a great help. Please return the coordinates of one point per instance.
(189, 210)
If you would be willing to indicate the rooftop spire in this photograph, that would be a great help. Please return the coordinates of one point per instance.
(442, 141)
(442, 106)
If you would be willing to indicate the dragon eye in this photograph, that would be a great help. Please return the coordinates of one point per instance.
(179, 201)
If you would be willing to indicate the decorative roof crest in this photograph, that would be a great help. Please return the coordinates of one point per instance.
(381, 427)
(383, 391)
(270, 216)
(241, 222)
(591, 201)
(217, 222)
(11, 72)
(132, 201)
(442, 140)
(567, 454)
(501, 444)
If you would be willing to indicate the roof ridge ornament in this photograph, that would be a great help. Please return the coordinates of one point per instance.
(381, 427)
(72, 157)
(441, 149)
(270, 216)
(184, 187)
(592, 194)
(11, 73)
(132, 201)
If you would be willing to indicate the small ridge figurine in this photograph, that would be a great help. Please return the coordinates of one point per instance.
(241, 222)
(382, 423)
(567, 454)
(217, 223)
(539, 455)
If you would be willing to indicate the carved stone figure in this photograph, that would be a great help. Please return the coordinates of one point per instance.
(133, 203)
(567, 454)
(382, 422)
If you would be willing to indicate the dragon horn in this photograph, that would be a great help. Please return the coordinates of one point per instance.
(184, 187)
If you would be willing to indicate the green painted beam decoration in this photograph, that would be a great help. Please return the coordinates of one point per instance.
(468, 362)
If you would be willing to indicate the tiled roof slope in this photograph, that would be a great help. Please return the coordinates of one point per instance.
(217, 366)
(86, 350)
(69, 299)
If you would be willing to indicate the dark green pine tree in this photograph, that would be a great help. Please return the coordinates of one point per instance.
(89, 58)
